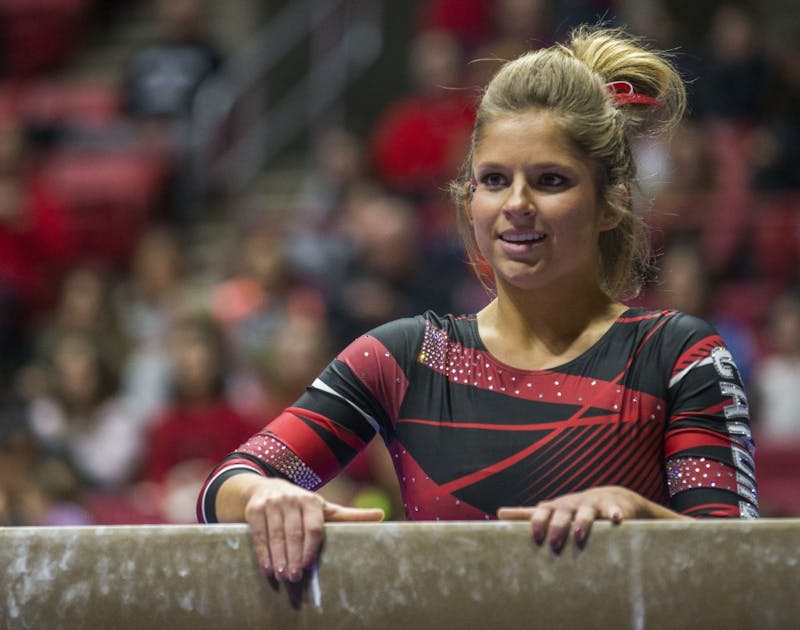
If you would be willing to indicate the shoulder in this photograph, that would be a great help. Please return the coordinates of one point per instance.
(668, 325)
(668, 340)
(403, 338)
(414, 328)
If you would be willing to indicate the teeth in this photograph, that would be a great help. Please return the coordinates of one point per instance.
(521, 238)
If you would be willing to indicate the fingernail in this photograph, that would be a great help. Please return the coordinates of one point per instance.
(538, 537)
(580, 538)
(295, 575)
(267, 570)
(280, 571)
(555, 544)
(616, 517)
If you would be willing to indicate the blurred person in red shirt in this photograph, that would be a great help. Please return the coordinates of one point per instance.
(418, 142)
(36, 242)
(200, 422)
(197, 425)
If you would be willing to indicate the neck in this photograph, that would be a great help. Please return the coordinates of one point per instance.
(543, 328)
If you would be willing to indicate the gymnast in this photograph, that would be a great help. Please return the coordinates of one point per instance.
(556, 403)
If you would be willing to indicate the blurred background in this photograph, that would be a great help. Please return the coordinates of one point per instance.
(202, 201)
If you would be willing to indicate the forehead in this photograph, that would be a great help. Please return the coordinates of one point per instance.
(529, 135)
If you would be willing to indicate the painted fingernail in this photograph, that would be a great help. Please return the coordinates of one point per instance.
(616, 516)
(555, 544)
(267, 570)
(538, 536)
(295, 575)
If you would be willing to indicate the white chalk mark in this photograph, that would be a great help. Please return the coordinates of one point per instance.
(316, 591)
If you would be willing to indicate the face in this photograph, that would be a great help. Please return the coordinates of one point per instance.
(535, 210)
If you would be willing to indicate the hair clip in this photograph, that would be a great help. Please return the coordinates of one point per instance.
(622, 94)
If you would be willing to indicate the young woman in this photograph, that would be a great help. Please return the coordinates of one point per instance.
(555, 403)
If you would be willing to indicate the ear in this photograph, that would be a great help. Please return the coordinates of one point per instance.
(609, 217)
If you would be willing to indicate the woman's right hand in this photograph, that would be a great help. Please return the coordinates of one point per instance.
(287, 522)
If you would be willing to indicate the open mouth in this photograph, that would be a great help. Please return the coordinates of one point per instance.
(522, 238)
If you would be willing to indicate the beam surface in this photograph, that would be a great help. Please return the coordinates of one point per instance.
(640, 574)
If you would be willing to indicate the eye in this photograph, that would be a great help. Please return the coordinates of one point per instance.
(493, 180)
(552, 180)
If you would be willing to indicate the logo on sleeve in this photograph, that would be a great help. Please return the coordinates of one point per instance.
(727, 370)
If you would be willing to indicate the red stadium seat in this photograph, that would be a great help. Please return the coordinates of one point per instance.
(111, 196)
(778, 474)
(745, 302)
(776, 236)
(39, 35)
(85, 104)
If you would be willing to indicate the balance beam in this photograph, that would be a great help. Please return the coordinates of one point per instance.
(640, 574)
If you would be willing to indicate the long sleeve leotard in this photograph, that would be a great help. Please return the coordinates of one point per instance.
(656, 405)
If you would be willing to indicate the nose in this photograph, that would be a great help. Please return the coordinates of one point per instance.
(520, 198)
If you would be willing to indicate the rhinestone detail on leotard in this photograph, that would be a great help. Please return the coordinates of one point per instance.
(275, 454)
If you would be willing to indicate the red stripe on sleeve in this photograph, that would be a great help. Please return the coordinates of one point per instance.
(349, 438)
(682, 439)
(721, 510)
(700, 350)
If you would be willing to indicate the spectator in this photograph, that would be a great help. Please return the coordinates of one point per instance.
(517, 26)
(147, 303)
(199, 423)
(35, 488)
(262, 291)
(469, 21)
(83, 419)
(36, 242)
(339, 170)
(735, 72)
(83, 308)
(686, 190)
(162, 78)
(777, 395)
(417, 142)
(684, 284)
(390, 273)
(777, 155)
(159, 87)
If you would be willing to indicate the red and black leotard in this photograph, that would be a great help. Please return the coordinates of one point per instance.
(656, 405)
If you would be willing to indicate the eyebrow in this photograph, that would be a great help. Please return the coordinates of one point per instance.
(537, 166)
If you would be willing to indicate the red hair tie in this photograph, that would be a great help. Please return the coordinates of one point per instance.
(622, 94)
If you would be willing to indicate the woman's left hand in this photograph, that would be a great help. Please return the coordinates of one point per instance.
(553, 520)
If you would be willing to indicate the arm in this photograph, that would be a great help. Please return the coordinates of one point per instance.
(270, 480)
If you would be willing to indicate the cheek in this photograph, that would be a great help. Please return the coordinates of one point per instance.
(481, 229)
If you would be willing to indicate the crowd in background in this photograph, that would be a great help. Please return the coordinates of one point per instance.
(125, 374)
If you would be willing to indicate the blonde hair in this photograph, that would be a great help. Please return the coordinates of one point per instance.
(570, 81)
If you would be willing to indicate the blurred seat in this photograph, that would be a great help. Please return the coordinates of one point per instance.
(111, 196)
(66, 103)
(40, 35)
(776, 236)
(745, 302)
(778, 474)
(85, 110)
